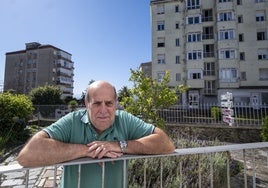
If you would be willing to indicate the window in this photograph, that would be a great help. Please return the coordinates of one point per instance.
(160, 9)
(239, 2)
(195, 55)
(210, 87)
(160, 76)
(263, 54)
(160, 42)
(177, 8)
(226, 16)
(262, 35)
(194, 37)
(193, 4)
(207, 15)
(177, 42)
(240, 18)
(209, 69)
(227, 54)
(178, 77)
(243, 76)
(260, 16)
(193, 19)
(194, 74)
(177, 25)
(161, 59)
(242, 56)
(228, 75)
(263, 74)
(259, 1)
(224, 1)
(208, 50)
(226, 34)
(207, 33)
(241, 37)
(177, 61)
(160, 25)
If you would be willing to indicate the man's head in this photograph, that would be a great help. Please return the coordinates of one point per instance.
(100, 101)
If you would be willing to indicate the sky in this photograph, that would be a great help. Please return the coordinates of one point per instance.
(106, 38)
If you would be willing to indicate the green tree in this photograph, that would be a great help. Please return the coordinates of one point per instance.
(15, 110)
(123, 92)
(148, 96)
(73, 105)
(264, 130)
(46, 95)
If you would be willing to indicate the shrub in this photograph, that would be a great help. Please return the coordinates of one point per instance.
(264, 130)
(216, 113)
(14, 113)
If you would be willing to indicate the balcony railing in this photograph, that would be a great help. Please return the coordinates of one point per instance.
(242, 148)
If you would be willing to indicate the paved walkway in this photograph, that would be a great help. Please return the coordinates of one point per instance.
(38, 177)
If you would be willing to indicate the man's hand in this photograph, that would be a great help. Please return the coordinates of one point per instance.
(100, 149)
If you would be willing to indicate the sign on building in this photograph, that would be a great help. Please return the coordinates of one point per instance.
(227, 108)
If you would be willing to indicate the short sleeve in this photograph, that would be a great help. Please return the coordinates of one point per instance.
(135, 127)
(61, 129)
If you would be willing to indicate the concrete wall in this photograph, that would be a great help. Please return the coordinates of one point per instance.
(221, 133)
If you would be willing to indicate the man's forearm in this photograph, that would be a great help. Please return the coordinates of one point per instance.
(156, 143)
(41, 151)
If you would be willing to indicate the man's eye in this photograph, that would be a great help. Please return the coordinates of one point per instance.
(109, 103)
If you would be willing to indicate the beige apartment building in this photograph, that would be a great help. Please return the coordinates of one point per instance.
(38, 65)
(214, 47)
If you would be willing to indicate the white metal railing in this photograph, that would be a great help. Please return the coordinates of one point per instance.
(244, 114)
(177, 152)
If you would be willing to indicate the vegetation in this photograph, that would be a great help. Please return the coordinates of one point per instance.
(216, 113)
(264, 130)
(15, 110)
(148, 96)
(182, 171)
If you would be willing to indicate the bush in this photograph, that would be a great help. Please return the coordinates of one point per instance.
(181, 170)
(264, 130)
(216, 113)
(15, 111)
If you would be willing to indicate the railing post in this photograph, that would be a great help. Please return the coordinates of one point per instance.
(27, 178)
(124, 173)
(228, 172)
(55, 176)
(103, 175)
(245, 169)
(79, 176)
(211, 171)
(144, 173)
(254, 170)
(199, 172)
(161, 172)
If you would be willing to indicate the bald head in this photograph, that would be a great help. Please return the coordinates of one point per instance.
(98, 85)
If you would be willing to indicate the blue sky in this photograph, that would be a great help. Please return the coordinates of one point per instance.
(106, 38)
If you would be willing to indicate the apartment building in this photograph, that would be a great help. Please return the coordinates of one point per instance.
(214, 47)
(38, 65)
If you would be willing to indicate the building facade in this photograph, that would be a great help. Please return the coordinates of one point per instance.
(38, 65)
(213, 46)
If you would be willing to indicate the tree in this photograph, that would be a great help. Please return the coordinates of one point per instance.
(46, 95)
(15, 110)
(123, 92)
(148, 96)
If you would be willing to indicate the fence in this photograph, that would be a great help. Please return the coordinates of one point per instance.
(243, 114)
(247, 158)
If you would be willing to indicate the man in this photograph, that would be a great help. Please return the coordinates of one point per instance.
(96, 132)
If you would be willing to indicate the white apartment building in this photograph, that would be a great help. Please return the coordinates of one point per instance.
(38, 65)
(214, 47)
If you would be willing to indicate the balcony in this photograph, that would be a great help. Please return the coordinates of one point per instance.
(247, 152)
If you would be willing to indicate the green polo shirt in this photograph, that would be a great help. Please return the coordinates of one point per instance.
(76, 127)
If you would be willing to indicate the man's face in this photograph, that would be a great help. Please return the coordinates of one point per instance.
(101, 107)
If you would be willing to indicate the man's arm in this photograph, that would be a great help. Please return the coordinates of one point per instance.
(42, 150)
(156, 143)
